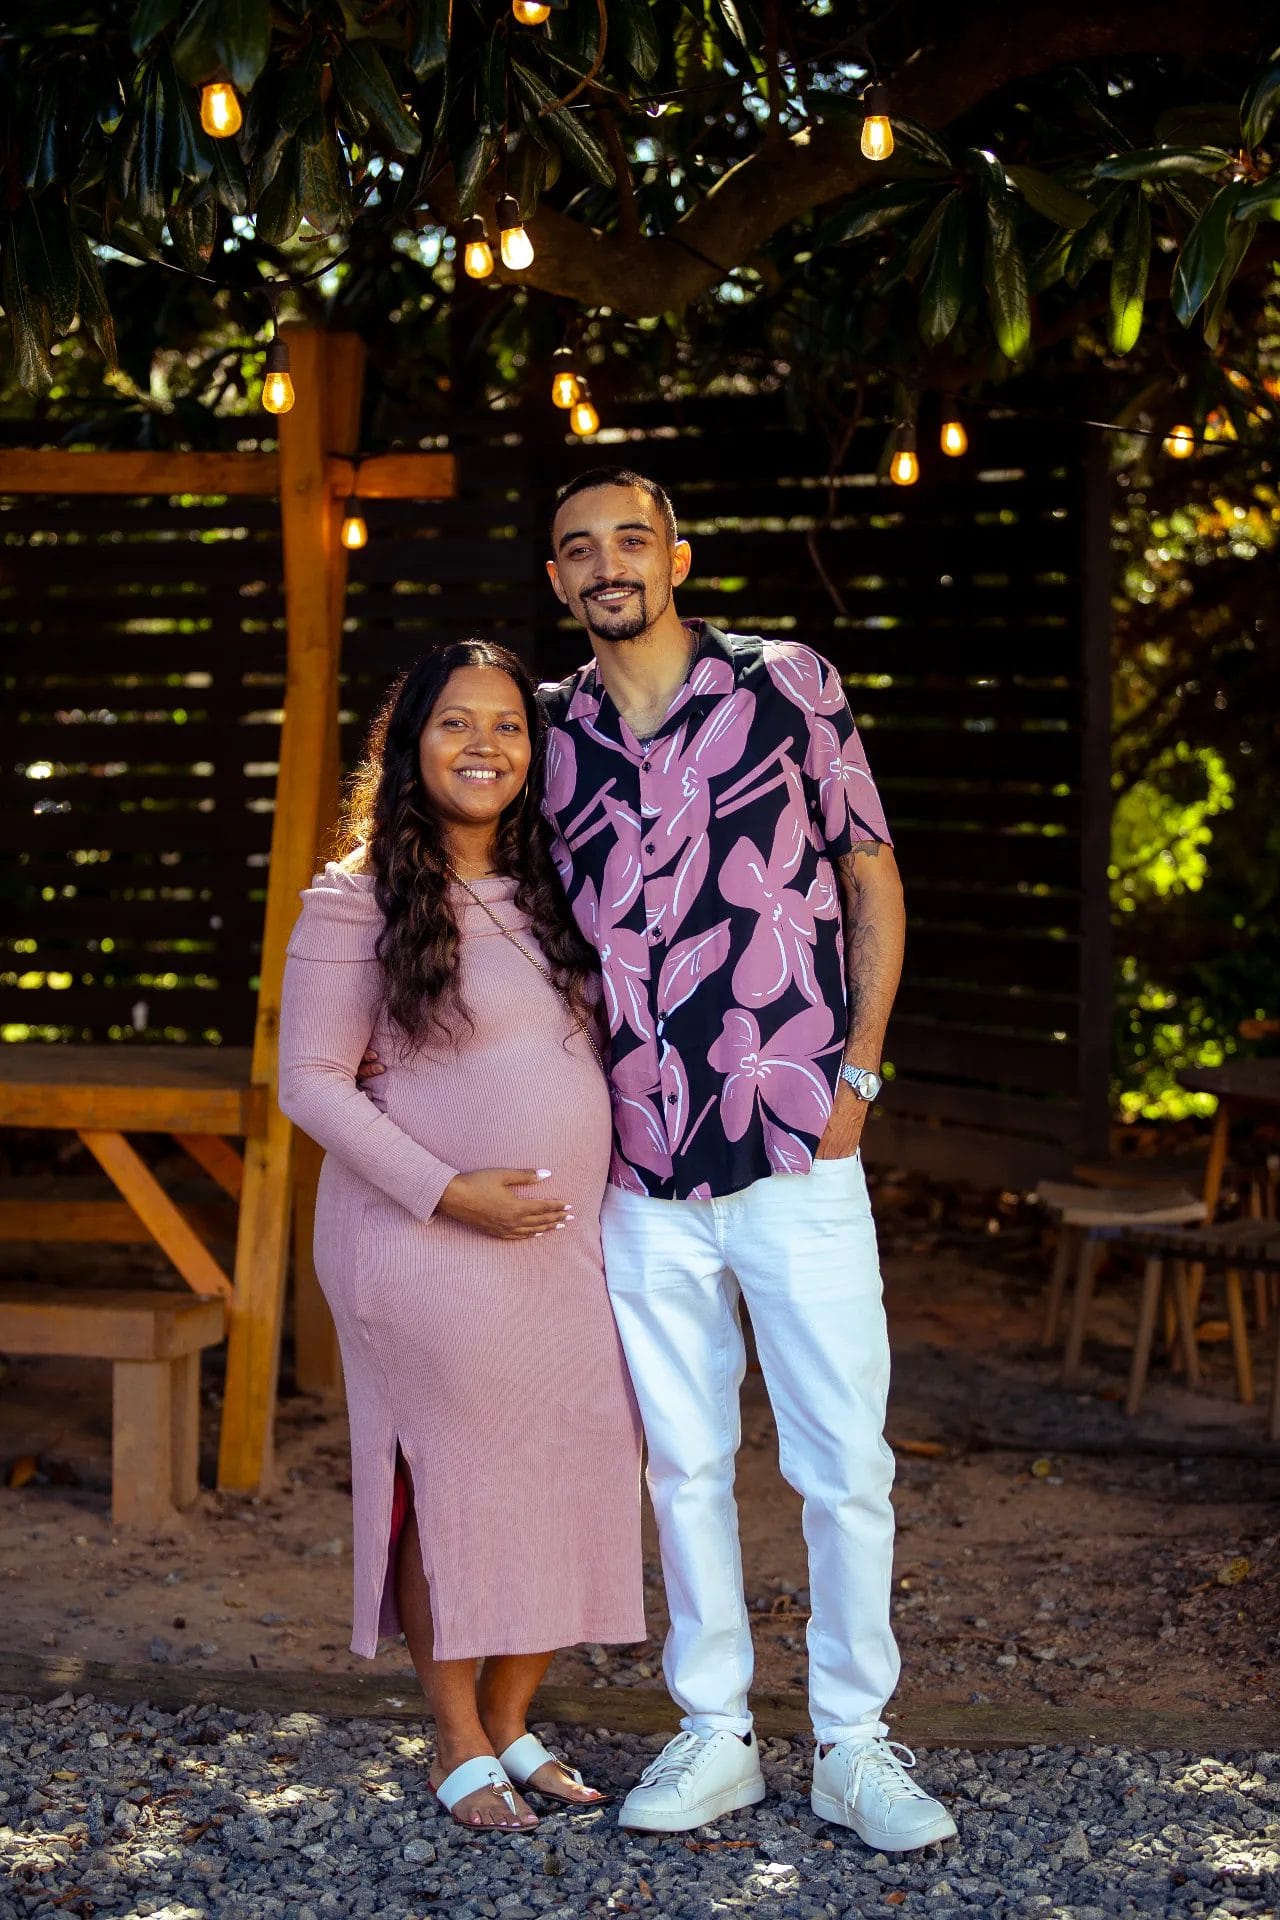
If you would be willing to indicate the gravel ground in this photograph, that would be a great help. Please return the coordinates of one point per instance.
(115, 1811)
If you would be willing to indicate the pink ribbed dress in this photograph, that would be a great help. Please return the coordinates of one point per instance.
(494, 1365)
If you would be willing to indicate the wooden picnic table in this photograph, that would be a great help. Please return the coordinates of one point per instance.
(1241, 1087)
(202, 1096)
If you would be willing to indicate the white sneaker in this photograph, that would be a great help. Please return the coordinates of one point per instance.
(696, 1778)
(864, 1785)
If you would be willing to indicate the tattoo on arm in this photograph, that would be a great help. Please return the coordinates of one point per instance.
(873, 932)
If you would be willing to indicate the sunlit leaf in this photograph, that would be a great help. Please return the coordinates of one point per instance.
(1130, 265)
(1006, 281)
(1153, 163)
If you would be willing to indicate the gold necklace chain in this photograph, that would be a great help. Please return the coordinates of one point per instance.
(580, 1026)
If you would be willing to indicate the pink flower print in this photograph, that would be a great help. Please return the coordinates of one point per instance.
(689, 963)
(560, 770)
(805, 677)
(624, 957)
(784, 1152)
(823, 895)
(782, 1075)
(780, 950)
(642, 1137)
(623, 1175)
(844, 782)
(679, 806)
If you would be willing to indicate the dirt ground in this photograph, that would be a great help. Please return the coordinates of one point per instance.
(1049, 1549)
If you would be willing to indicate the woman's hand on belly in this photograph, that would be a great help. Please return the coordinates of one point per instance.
(490, 1202)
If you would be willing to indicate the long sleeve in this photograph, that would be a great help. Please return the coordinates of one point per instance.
(331, 990)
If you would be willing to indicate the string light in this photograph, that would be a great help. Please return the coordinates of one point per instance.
(477, 254)
(220, 112)
(904, 467)
(877, 134)
(530, 13)
(583, 417)
(277, 388)
(953, 439)
(566, 387)
(355, 530)
(514, 243)
(1180, 443)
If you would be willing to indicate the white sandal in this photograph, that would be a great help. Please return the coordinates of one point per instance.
(470, 1777)
(522, 1760)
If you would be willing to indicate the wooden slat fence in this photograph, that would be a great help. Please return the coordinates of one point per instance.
(144, 648)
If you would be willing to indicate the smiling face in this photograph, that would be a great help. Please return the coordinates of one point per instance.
(613, 567)
(474, 751)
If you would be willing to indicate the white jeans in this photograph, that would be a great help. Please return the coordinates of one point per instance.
(801, 1250)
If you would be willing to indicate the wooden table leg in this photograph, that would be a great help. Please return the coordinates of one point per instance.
(1219, 1142)
(167, 1225)
(1186, 1322)
(184, 1428)
(1081, 1299)
(1273, 1423)
(1240, 1352)
(1063, 1255)
(142, 1443)
(1152, 1287)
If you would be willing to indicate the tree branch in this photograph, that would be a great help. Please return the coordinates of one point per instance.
(784, 179)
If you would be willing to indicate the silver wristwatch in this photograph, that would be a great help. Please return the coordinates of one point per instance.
(864, 1083)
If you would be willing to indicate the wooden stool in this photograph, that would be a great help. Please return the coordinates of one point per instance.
(1232, 1247)
(1087, 1217)
(154, 1341)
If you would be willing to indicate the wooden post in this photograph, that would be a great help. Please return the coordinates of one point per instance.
(317, 1364)
(309, 527)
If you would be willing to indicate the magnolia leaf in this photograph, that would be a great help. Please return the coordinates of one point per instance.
(492, 91)
(1093, 241)
(879, 206)
(150, 18)
(31, 329)
(276, 215)
(371, 101)
(919, 141)
(230, 181)
(44, 243)
(1006, 281)
(1203, 253)
(1153, 163)
(241, 33)
(324, 190)
(1129, 268)
(1258, 199)
(1238, 241)
(920, 251)
(1049, 197)
(94, 310)
(634, 33)
(1260, 102)
(579, 142)
(942, 294)
(470, 170)
(1049, 265)
(429, 48)
(149, 179)
(38, 165)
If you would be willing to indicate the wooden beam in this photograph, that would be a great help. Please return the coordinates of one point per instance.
(42, 471)
(104, 1222)
(167, 1225)
(220, 1161)
(317, 1364)
(132, 1109)
(309, 524)
(392, 476)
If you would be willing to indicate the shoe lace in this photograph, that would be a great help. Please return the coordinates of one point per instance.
(881, 1758)
(675, 1759)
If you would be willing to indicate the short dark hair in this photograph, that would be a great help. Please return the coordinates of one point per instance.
(618, 477)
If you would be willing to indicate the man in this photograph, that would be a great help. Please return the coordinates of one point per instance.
(724, 849)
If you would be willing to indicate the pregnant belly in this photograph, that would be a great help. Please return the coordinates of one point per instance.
(532, 1107)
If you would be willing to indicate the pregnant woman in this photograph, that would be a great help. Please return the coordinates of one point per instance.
(494, 1440)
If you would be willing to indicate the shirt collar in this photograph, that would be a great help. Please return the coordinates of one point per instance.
(712, 674)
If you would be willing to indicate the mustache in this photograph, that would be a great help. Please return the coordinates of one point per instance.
(612, 586)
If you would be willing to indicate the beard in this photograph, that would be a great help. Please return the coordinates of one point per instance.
(604, 623)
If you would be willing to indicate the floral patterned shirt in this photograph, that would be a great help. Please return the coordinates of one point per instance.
(699, 866)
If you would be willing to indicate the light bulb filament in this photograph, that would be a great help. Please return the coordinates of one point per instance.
(220, 112)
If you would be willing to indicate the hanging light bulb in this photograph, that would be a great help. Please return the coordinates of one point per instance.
(877, 134)
(583, 417)
(220, 113)
(477, 254)
(530, 13)
(355, 531)
(514, 243)
(904, 467)
(566, 388)
(277, 387)
(1180, 443)
(953, 439)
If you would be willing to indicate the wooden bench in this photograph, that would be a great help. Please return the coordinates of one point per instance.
(154, 1341)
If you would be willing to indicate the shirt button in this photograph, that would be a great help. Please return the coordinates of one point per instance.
(654, 934)
(651, 848)
(671, 1099)
(644, 767)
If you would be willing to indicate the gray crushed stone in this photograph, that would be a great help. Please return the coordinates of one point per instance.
(118, 1811)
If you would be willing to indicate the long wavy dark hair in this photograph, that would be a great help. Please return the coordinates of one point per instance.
(390, 820)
